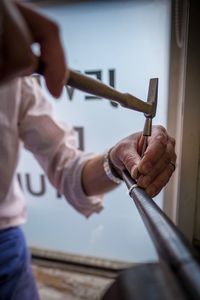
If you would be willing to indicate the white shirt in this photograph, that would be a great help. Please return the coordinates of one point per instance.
(26, 118)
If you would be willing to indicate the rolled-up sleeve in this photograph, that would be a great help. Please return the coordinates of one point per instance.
(54, 146)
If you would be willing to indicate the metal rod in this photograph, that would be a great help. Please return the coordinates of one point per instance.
(171, 246)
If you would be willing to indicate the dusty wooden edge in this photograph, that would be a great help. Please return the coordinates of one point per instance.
(70, 258)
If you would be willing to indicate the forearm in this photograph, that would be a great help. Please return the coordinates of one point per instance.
(94, 178)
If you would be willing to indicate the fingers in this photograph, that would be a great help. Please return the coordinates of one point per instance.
(55, 72)
(124, 155)
(160, 181)
(46, 33)
(17, 58)
(131, 161)
(154, 170)
(157, 166)
(156, 148)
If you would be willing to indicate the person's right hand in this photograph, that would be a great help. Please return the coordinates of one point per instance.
(153, 171)
(21, 27)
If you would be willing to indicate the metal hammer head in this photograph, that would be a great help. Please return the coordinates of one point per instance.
(152, 97)
(152, 100)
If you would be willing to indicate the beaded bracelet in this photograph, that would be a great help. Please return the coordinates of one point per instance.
(109, 170)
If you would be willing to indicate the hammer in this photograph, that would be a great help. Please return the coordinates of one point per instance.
(97, 88)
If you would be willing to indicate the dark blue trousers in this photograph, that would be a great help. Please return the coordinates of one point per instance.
(16, 278)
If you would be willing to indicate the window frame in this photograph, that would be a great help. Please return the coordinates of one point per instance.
(183, 123)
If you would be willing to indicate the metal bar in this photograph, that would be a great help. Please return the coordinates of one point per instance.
(171, 246)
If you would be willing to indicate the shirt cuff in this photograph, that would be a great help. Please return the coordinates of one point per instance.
(86, 205)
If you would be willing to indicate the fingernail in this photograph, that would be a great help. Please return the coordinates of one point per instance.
(146, 167)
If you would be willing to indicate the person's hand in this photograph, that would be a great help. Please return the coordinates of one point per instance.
(154, 170)
(21, 27)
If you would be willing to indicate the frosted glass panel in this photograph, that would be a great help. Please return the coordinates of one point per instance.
(123, 43)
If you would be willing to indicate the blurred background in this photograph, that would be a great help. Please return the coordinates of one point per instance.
(123, 44)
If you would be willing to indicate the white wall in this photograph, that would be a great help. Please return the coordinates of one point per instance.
(131, 38)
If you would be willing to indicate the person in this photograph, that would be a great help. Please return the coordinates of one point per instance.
(21, 26)
(26, 118)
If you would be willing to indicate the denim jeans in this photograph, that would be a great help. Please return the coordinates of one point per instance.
(16, 278)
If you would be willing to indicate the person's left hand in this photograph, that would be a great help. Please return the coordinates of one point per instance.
(22, 26)
(154, 170)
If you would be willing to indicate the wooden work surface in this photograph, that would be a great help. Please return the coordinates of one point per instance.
(150, 281)
(55, 284)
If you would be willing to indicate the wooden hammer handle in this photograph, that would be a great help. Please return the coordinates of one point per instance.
(97, 88)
